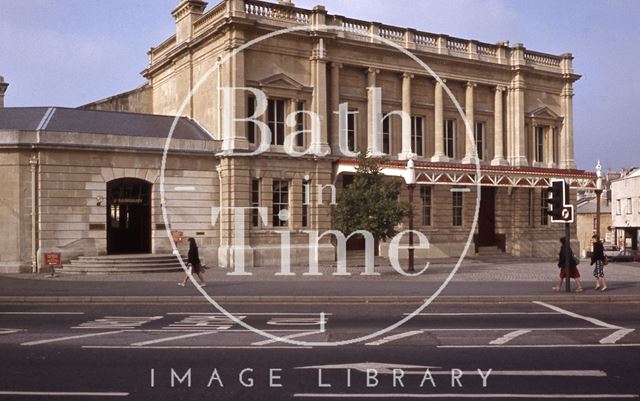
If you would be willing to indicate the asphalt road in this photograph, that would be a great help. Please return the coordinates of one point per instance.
(193, 352)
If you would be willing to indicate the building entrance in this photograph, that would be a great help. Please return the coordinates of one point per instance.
(128, 216)
(487, 217)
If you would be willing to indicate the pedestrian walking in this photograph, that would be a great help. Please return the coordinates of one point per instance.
(573, 267)
(598, 259)
(193, 261)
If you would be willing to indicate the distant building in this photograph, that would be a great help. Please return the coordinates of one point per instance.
(625, 210)
(586, 218)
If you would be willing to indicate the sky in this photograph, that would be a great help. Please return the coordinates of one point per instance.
(72, 52)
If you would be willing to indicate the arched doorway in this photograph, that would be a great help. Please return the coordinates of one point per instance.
(128, 216)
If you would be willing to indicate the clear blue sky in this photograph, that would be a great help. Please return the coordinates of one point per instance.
(71, 52)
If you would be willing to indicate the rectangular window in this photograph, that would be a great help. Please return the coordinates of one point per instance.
(352, 130)
(595, 223)
(251, 126)
(255, 202)
(306, 191)
(544, 207)
(629, 206)
(275, 121)
(280, 202)
(479, 135)
(417, 135)
(449, 138)
(539, 156)
(425, 195)
(457, 208)
(618, 207)
(386, 135)
(300, 126)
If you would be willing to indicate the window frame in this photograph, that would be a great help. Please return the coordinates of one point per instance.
(277, 203)
(256, 192)
(450, 138)
(418, 150)
(277, 127)
(479, 140)
(426, 197)
(457, 206)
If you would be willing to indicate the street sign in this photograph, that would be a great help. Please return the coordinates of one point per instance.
(52, 259)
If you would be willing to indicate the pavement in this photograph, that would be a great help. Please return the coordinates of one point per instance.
(477, 280)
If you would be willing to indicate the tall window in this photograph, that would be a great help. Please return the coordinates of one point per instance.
(300, 126)
(479, 137)
(417, 135)
(386, 135)
(449, 139)
(629, 206)
(352, 129)
(544, 207)
(251, 126)
(255, 202)
(280, 202)
(425, 195)
(539, 156)
(618, 207)
(457, 208)
(554, 138)
(531, 208)
(306, 190)
(275, 120)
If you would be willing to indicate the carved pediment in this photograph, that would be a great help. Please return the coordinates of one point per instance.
(281, 81)
(544, 113)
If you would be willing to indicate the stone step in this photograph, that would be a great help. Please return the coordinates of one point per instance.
(121, 264)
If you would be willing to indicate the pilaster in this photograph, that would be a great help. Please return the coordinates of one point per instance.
(470, 127)
(438, 155)
(407, 146)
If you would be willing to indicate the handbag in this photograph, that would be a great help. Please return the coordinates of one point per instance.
(576, 260)
(606, 260)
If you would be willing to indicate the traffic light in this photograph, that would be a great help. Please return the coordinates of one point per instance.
(560, 209)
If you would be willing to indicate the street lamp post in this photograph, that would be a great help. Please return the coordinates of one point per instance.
(410, 178)
(598, 194)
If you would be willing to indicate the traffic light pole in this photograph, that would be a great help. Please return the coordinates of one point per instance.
(567, 256)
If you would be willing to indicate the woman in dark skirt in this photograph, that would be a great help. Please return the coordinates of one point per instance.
(573, 268)
(193, 261)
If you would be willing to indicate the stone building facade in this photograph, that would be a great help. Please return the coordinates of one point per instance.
(517, 102)
(625, 209)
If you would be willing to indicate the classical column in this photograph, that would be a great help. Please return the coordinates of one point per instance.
(469, 136)
(320, 143)
(498, 117)
(518, 134)
(374, 115)
(566, 150)
(335, 104)
(406, 122)
(438, 155)
(234, 101)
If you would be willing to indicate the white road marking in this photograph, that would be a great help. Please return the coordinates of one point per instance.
(541, 346)
(481, 396)
(195, 347)
(394, 337)
(166, 339)
(290, 337)
(382, 368)
(251, 314)
(10, 331)
(534, 373)
(63, 394)
(577, 316)
(520, 328)
(322, 322)
(41, 313)
(616, 336)
(59, 339)
(509, 336)
(484, 313)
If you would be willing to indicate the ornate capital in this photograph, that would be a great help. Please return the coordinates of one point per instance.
(408, 75)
